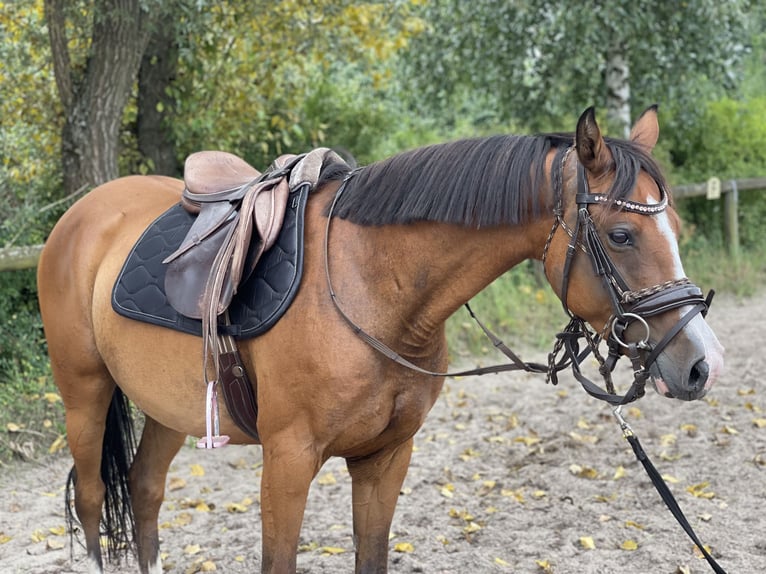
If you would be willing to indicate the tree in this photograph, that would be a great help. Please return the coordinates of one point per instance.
(536, 58)
(95, 88)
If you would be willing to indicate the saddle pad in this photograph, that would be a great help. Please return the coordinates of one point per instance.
(139, 292)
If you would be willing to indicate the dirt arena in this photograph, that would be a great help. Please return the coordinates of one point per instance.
(508, 475)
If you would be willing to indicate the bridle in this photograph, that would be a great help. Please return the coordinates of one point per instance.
(628, 306)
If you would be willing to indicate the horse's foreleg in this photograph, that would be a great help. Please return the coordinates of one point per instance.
(156, 451)
(289, 466)
(376, 482)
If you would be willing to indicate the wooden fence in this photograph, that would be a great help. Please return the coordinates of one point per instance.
(25, 257)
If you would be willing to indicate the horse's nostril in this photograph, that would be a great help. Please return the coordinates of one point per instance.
(699, 374)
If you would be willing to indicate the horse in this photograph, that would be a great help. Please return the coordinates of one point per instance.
(408, 241)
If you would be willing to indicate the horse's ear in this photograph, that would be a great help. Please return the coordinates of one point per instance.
(646, 130)
(590, 146)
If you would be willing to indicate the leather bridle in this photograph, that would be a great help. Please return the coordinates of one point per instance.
(628, 306)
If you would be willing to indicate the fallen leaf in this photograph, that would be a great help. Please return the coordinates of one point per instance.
(176, 483)
(699, 491)
(471, 527)
(58, 530)
(583, 471)
(584, 438)
(545, 566)
(629, 545)
(235, 507)
(192, 549)
(53, 544)
(5, 538)
(698, 552)
(501, 562)
(619, 473)
(632, 524)
(516, 494)
(197, 470)
(332, 550)
(486, 487)
(760, 423)
(207, 566)
(729, 430)
(57, 444)
(447, 490)
(52, 397)
(587, 543)
(327, 479)
(13, 427)
(183, 519)
(404, 547)
(202, 507)
(690, 429)
(668, 439)
(528, 440)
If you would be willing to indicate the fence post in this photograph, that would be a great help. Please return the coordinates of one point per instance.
(730, 222)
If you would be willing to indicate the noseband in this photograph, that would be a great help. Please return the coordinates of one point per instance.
(628, 306)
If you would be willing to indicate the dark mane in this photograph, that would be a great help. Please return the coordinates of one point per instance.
(476, 182)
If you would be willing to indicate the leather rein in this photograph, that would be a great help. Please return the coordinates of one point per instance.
(627, 306)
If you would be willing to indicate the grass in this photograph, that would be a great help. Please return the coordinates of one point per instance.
(31, 418)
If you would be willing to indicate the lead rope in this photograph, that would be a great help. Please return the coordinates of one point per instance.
(662, 488)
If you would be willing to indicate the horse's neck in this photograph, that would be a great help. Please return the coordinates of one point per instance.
(418, 275)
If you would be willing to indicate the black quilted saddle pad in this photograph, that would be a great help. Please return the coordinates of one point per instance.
(139, 292)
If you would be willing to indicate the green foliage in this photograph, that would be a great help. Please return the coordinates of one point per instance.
(729, 143)
(537, 59)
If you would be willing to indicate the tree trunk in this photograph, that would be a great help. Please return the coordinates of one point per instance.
(155, 107)
(618, 93)
(94, 98)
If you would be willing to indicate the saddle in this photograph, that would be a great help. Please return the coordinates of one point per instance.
(239, 213)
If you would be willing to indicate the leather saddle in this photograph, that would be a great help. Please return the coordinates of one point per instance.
(239, 213)
(232, 200)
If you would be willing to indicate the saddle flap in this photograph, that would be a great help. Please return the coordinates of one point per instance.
(207, 222)
(187, 276)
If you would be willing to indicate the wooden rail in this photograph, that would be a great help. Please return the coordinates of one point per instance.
(730, 188)
(25, 257)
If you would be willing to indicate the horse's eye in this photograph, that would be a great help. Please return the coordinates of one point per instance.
(620, 238)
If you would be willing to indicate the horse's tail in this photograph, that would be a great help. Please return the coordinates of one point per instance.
(117, 452)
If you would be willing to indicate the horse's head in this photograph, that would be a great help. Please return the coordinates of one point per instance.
(612, 257)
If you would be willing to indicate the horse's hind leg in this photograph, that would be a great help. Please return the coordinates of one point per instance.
(158, 447)
(375, 484)
(87, 403)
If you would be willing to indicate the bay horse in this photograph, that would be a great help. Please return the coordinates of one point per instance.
(413, 237)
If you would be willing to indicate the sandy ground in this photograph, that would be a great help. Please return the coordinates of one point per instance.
(509, 475)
